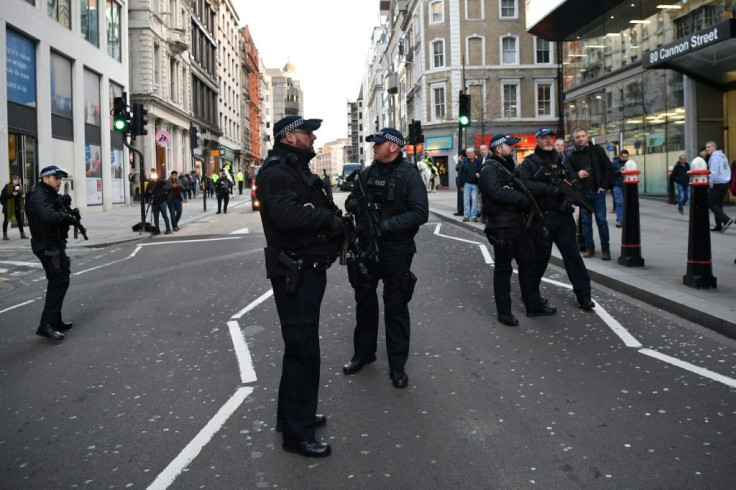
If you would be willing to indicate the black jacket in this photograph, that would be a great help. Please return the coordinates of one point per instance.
(297, 216)
(679, 173)
(223, 186)
(549, 197)
(594, 159)
(409, 209)
(503, 204)
(48, 224)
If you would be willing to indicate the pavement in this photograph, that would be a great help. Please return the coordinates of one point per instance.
(664, 248)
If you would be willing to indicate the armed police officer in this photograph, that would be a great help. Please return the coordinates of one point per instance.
(399, 199)
(303, 230)
(49, 227)
(507, 204)
(537, 172)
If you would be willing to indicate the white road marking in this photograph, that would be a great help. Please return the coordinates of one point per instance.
(242, 231)
(139, 246)
(628, 339)
(486, 254)
(690, 367)
(19, 305)
(617, 328)
(245, 363)
(437, 232)
(21, 264)
(255, 303)
(192, 450)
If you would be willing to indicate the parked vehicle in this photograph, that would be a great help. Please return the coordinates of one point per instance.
(253, 199)
(347, 169)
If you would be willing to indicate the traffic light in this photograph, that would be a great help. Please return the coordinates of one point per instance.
(194, 137)
(415, 133)
(120, 115)
(463, 114)
(140, 119)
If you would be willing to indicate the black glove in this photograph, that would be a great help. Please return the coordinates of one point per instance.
(351, 206)
(69, 220)
(337, 227)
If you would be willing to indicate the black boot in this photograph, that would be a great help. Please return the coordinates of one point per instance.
(46, 330)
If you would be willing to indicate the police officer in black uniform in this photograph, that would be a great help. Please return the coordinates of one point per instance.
(560, 225)
(506, 207)
(303, 230)
(400, 196)
(49, 227)
(223, 189)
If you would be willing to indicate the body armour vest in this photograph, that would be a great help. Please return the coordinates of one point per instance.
(389, 193)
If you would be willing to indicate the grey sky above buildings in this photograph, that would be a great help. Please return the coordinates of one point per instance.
(326, 40)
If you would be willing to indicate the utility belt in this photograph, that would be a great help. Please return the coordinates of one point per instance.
(292, 266)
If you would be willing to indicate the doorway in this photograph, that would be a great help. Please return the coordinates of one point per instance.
(23, 159)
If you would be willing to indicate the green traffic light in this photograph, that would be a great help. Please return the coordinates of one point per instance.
(463, 120)
(120, 125)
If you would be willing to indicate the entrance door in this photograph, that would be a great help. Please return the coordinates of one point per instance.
(23, 157)
(441, 164)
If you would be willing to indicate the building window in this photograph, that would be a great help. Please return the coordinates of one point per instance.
(156, 67)
(473, 9)
(61, 86)
(508, 9)
(543, 51)
(60, 11)
(544, 99)
(89, 21)
(20, 66)
(509, 53)
(510, 97)
(112, 27)
(174, 80)
(438, 53)
(475, 50)
(436, 12)
(438, 103)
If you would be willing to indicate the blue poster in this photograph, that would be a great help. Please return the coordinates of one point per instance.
(21, 68)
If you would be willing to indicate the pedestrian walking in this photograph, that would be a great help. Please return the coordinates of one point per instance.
(506, 207)
(559, 224)
(12, 199)
(618, 164)
(682, 182)
(175, 193)
(49, 227)
(719, 180)
(397, 189)
(595, 173)
(458, 182)
(303, 231)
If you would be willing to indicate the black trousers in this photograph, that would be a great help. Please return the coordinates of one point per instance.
(460, 203)
(220, 199)
(299, 386)
(240, 187)
(391, 269)
(562, 232)
(57, 273)
(18, 219)
(716, 196)
(513, 244)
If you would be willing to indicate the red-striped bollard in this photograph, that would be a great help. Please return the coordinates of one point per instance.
(631, 232)
(699, 266)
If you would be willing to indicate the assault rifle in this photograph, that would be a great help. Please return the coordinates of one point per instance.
(362, 227)
(519, 186)
(328, 185)
(572, 190)
(67, 209)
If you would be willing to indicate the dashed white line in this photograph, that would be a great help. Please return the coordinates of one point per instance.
(690, 367)
(19, 305)
(486, 254)
(437, 232)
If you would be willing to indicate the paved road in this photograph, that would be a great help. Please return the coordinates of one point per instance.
(167, 380)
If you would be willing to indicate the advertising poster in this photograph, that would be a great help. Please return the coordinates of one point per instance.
(21, 69)
(118, 188)
(93, 169)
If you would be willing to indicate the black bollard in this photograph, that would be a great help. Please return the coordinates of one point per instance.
(699, 265)
(631, 231)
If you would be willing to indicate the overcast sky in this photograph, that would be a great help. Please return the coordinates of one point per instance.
(326, 40)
